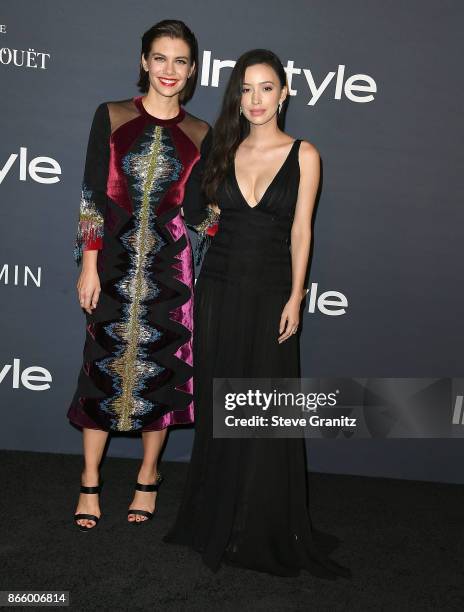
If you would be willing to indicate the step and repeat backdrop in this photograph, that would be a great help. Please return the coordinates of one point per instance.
(375, 86)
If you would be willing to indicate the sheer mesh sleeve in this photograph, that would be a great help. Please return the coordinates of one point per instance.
(197, 214)
(93, 199)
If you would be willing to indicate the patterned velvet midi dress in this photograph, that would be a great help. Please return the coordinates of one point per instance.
(137, 363)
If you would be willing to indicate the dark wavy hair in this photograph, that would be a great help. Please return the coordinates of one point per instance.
(174, 29)
(231, 127)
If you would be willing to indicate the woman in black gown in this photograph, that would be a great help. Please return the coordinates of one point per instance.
(245, 499)
(137, 276)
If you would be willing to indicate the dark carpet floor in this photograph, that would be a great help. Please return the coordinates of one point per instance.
(403, 540)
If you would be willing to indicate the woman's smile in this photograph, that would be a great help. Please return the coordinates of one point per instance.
(167, 82)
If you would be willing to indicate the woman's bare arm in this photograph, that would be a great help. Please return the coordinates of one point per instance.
(301, 236)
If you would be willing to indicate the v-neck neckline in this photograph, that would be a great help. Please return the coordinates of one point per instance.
(270, 184)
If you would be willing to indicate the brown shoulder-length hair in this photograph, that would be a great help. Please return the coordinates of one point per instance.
(231, 128)
(174, 29)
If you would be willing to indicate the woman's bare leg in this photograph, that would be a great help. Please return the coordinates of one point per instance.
(94, 441)
(145, 500)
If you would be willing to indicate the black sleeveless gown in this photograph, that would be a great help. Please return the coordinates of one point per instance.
(245, 501)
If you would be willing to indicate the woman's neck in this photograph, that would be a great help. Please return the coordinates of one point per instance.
(261, 135)
(161, 106)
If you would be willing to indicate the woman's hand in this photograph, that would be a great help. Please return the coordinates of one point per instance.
(88, 288)
(290, 318)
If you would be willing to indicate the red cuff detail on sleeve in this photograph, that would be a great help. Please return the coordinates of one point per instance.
(211, 231)
(93, 245)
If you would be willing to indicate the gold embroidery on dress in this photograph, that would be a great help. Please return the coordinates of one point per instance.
(149, 168)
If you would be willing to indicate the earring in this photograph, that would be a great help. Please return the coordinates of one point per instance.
(241, 112)
(280, 107)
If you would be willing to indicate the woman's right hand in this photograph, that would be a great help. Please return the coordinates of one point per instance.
(88, 285)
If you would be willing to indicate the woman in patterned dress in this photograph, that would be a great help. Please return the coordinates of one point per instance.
(137, 276)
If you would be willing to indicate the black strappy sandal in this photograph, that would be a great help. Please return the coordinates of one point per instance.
(148, 488)
(91, 517)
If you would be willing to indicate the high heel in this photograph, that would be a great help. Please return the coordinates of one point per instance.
(147, 488)
(91, 517)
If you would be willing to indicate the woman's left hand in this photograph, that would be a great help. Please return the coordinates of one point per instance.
(290, 319)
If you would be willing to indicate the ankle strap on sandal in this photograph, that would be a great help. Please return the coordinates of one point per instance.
(150, 487)
(90, 489)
